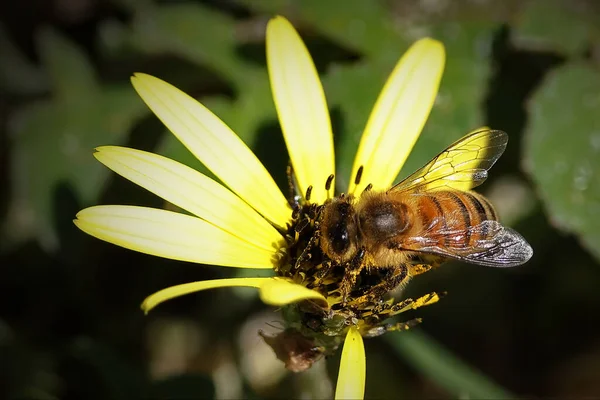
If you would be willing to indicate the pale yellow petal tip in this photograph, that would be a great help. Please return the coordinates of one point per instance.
(102, 150)
(281, 28)
(81, 224)
(430, 44)
(353, 368)
(86, 212)
(139, 78)
(78, 216)
(146, 307)
(82, 219)
(432, 49)
(155, 299)
(133, 78)
(279, 292)
(92, 213)
(279, 22)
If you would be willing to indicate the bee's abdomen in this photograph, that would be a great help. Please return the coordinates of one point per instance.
(456, 216)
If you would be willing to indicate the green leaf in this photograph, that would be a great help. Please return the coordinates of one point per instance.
(562, 150)
(554, 25)
(443, 368)
(17, 74)
(188, 30)
(363, 26)
(459, 106)
(71, 73)
(53, 142)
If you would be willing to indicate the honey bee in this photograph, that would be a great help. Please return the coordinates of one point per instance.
(430, 217)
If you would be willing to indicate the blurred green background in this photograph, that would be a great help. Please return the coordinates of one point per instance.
(70, 323)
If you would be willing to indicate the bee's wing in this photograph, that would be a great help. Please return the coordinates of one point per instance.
(494, 245)
(463, 165)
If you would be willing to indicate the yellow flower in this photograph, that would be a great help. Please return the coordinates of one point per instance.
(242, 223)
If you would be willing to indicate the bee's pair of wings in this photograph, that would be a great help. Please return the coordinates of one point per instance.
(463, 166)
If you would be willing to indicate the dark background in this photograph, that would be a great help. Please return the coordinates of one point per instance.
(70, 323)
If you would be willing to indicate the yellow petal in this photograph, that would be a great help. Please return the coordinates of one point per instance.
(274, 291)
(192, 191)
(353, 368)
(279, 292)
(216, 145)
(171, 235)
(399, 115)
(302, 108)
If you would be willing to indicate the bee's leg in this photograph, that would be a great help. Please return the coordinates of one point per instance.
(322, 272)
(351, 274)
(348, 283)
(424, 264)
(403, 326)
(399, 326)
(375, 292)
(418, 269)
(410, 304)
(306, 253)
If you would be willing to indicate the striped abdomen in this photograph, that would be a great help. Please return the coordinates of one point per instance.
(453, 218)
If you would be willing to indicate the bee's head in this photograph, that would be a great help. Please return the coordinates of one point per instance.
(339, 231)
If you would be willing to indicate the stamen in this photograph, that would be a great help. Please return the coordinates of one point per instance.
(329, 182)
(308, 193)
(369, 187)
(358, 175)
(291, 186)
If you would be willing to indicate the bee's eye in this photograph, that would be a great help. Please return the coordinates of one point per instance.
(340, 238)
(339, 230)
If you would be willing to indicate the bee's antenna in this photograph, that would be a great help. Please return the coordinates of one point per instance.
(358, 175)
(329, 182)
(308, 193)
